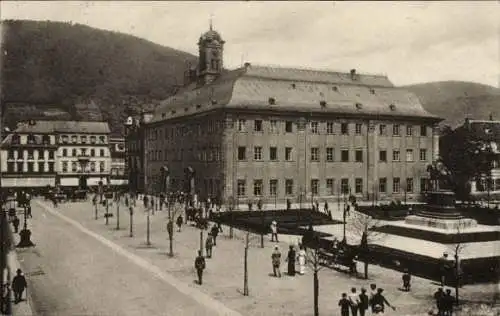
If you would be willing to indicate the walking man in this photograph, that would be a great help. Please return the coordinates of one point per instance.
(406, 281)
(18, 286)
(344, 305)
(276, 260)
(214, 232)
(199, 265)
(15, 223)
(439, 298)
(208, 245)
(363, 302)
(354, 300)
(379, 299)
(274, 231)
(179, 222)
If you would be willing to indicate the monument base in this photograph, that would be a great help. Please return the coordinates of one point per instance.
(450, 224)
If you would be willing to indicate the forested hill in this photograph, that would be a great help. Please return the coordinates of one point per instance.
(72, 71)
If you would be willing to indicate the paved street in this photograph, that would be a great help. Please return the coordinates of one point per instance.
(103, 271)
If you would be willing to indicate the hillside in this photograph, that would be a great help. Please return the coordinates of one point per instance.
(453, 100)
(71, 71)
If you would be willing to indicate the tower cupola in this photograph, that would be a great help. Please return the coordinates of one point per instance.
(211, 48)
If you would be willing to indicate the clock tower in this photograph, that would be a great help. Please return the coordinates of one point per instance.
(211, 48)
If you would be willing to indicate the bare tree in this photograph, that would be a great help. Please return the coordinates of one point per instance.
(457, 249)
(315, 262)
(362, 225)
(174, 209)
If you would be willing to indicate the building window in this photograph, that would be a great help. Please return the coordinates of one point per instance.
(241, 187)
(382, 129)
(382, 155)
(344, 185)
(92, 166)
(257, 153)
(31, 139)
(314, 186)
(289, 187)
(423, 154)
(51, 167)
(102, 167)
(242, 153)
(395, 155)
(102, 139)
(273, 187)
(314, 127)
(19, 167)
(31, 167)
(30, 154)
(329, 154)
(329, 128)
(41, 167)
(344, 129)
(409, 155)
(92, 152)
(83, 139)
(344, 155)
(409, 185)
(65, 139)
(395, 130)
(101, 153)
(288, 153)
(74, 167)
(64, 166)
(330, 186)
(409, 130)
(257, 187)
(358, 128)
(382, 185)
(73, 152)
(257, 125)
(273, 126)
(10, 167)
(74, 139)
(16, 139)
(11, 154)
(289, 127)
(315, 154)
(423, 130)
(359, 156)
(93, 139)
(51, 154)
(396, 185)
(358, 187)
(273, 153)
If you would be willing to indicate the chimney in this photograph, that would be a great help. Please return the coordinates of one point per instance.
(353, 74)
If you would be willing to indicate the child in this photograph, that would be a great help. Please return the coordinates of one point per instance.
(406, 281)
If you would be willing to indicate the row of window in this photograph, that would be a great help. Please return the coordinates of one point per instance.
(329, 154)
(276, 126)
(76, 167)
(65, 139)
(30, 154)
(204, 154)
(83, 152)
(40, 167)
(344, 188)
(483, 185)
(31, 139)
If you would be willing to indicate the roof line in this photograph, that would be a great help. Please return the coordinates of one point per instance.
(322, 70)
(483, 121)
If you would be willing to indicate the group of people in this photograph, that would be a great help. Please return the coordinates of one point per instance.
(357, 303)
(444, 302)
(293, 257)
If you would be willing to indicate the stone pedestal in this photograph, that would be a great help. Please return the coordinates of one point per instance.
(454, 225)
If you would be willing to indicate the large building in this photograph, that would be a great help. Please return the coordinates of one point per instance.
(63, 153)
(273, 133)
(118, 176)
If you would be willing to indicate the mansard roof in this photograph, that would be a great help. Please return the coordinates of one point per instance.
(52, 127)
(294, 89)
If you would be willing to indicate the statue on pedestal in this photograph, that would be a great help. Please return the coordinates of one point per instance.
(439, 177)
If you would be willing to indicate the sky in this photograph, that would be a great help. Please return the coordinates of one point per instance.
(411, 42)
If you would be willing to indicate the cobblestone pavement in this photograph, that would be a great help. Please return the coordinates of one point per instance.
(224, 275)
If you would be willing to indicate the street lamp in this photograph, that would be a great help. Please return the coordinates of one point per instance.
(118, 211)
(25, 234)
(148, 230)
(131, 212)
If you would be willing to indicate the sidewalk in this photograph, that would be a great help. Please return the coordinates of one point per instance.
(223, 277)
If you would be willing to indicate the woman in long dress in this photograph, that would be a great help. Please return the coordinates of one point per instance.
(302, 260)
(291, 261)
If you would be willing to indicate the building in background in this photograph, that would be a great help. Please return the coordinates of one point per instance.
(134, 152)
(118, 175)
(272, 134)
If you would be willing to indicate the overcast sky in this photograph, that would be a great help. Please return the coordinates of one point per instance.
(411, 42)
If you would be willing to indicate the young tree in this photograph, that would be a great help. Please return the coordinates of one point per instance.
(467, 158)
(457, 249)
(315, 262)
(362, 225)
(174, 210)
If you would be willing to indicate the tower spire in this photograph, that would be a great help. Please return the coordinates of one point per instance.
(211, 18)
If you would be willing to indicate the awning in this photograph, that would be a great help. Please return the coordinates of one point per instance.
(27, 182)
(119, 182)
(95, 181)
(69, 182)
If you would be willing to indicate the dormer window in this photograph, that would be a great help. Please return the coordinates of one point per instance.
(322, 103)
(359, 106)
(46, 139)
(92, 139)
(392, 107)
(272, 101)
(16, 139)
(31, 139)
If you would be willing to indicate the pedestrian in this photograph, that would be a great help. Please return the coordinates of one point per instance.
(448, 302)
(379, 299)
(274, 231)
(259, 205)
(145, 200)
(199, 265)
(214, 231)
(288, 204)
(439, 298)
(179, 222)
(354, 300)
(302, 260)
(28, 211)
(18, 286)
(250, 206)
(344, 305)
(15, 223)
(363, 302)
(291, 261)
(373, 292)
(276, 261)
(444, 268)
(208, 245)
(317, 205)
(406, 281)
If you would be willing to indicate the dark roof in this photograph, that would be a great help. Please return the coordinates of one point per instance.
(292, 89)
(52, 127)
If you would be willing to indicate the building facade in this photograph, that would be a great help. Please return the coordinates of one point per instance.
(272, 134)
(134, 153)
(118, 175)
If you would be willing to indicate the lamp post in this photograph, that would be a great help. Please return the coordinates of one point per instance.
(25, 234)
(131, 212)
(118, 212)
(148, 230)
(107, 211)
